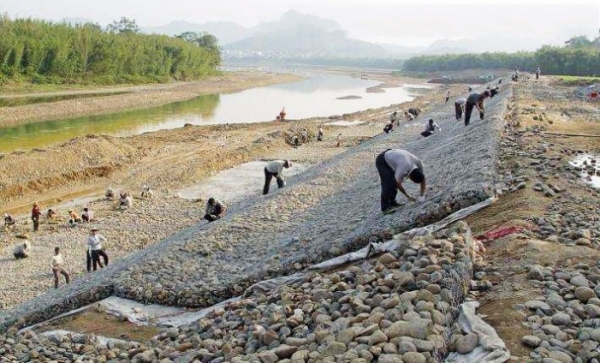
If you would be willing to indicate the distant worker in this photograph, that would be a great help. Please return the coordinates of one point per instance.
(339, 140)
(304, 135)
(393, 166)
(282, 114)
(320, 133)
(22, 250)
(275, 169)
(51, 214)
(35, 216)
(459, 107)
(214, 210)
(389, 127)
(110, 193)
(73, 217)
(295, 141)
(147, 192)
(447, 97)
(87, 215)
(57, 268)
(475, 100)
(537, 72)
(95, 250)
(470, 89)
(394, 118)
(430, 128)
(414, 111)
(9, 221)
(125, 200)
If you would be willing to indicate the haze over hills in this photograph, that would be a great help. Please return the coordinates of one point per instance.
(303, 36)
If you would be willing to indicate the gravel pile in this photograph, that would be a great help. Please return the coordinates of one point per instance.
(565, 321)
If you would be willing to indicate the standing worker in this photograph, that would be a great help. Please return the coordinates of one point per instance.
(320, 133)
(447, 97)
(537, 72)
(275, 169)
(94, 242)
(57, 269)
(35, 216)
(393, 166)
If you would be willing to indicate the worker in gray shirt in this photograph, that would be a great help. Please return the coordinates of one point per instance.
(459, 107)
(393, 166)
(275, 169)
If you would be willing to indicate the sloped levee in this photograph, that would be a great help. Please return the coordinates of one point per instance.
(329, 210)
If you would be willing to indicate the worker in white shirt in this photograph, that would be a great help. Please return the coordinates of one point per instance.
(57, 267)
(22, 250)
(430, 128)
(275, 169)
(94, 242)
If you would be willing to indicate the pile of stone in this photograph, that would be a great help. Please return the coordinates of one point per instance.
(395, 307)
(565, 321)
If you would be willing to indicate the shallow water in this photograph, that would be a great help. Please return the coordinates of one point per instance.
(315, 96)
(590, 166)
(237, 183)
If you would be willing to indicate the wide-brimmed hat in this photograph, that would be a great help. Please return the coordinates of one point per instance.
(94, 230)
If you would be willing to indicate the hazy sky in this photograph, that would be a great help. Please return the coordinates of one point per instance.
(391, 21)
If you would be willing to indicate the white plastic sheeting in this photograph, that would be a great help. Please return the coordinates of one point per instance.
(491, 348)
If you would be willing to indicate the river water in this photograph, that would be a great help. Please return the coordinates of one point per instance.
(319, 95)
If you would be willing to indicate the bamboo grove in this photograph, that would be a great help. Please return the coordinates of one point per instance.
(44, 52)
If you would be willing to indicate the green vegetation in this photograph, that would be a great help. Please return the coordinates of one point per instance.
(42, 52)
(579, 57)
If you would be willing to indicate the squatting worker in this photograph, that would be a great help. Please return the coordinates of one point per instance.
(475, 100)
(214, 210)
(275, 169)
(393, 166)
(459, 107)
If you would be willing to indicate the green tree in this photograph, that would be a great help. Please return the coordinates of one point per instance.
(124, 26)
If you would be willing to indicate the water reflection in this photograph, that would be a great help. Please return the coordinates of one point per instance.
(589, 168)
(316, 96)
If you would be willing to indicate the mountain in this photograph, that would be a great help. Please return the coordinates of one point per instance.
(293, 35)
(298, 35)
(225, 31)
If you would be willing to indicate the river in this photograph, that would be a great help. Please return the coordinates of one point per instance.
(318, 95)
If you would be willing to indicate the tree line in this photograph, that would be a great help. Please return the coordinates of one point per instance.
(43, 52)
(580, 57)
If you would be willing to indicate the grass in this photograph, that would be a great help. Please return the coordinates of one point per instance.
(93, 322)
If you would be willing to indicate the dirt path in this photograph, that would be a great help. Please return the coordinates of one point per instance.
(530, 156)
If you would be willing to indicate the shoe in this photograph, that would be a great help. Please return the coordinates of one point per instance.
(390, 210)
(396, 205)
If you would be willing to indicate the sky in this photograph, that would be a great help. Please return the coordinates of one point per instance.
(401, 22)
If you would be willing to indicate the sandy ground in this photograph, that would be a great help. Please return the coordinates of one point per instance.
(63, 177)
